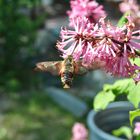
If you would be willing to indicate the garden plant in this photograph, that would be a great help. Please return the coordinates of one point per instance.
(91, 38)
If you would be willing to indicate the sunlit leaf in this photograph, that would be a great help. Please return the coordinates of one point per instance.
(123, 86)
(107, 87)
(133, 115)
(124, 130)
(134, 95)
(102, 99)
(135, 61)
(123, 20)
(120, 86)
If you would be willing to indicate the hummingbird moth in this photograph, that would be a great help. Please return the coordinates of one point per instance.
(66, 69)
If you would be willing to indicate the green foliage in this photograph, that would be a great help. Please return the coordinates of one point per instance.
(125, 87)
(36, 117)
(138, 137)
(123, 20)
(29, 3)
(18, 26)
(124, 130)
(134, 114)
(103, 99)
(135, 61)
(134, 95)
(3, 133)
(13, 85)
(121, 87)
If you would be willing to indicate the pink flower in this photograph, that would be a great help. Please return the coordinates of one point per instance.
(79, 132)
(129, 5)
(88, 8)
(137, 78)
(116, 47)
(137, 128)
(133, 7)
(116, 59)
(77, 42)
(103, 42)
(120, 66)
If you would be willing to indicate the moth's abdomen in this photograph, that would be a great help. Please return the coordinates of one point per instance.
(66, 78)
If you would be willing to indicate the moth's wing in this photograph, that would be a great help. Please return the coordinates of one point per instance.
(53, 67)
(79, 68)
(83, 69)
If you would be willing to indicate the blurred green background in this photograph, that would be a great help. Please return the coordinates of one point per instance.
(29, 30)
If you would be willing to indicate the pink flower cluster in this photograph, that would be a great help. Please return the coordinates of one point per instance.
(132, 7)
(129, 5)
(79, 132)
(102, 42)
(88, 8)
(137, 128)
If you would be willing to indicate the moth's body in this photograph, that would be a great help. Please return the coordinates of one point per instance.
(66, 69)
(67, 72)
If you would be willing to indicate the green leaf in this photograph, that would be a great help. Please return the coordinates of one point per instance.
(122, 86)
(102, 99)
(134, 95)
(123, 20)
(138, 137)
(135, 61)
(107, 87)
(124, 130)
(133, 115)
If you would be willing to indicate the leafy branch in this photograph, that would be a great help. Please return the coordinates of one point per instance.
(110, 92)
